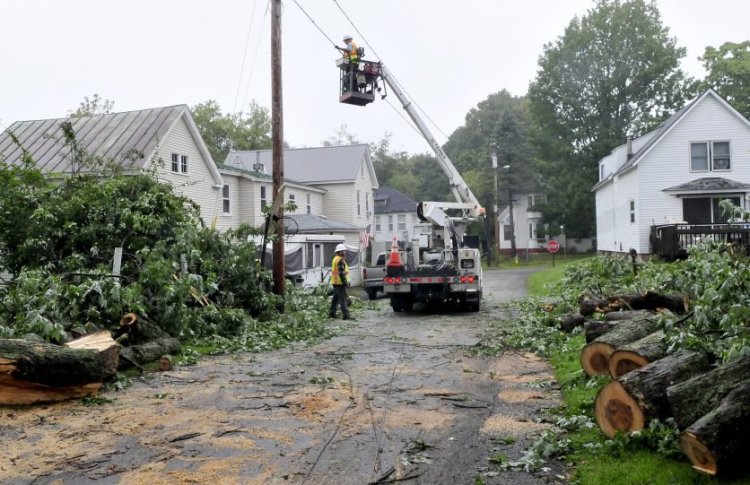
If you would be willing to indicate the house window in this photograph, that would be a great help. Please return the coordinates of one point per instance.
(377, 223)
(309, 205)
(367, 202)
(530, 202)
(263, 199)
(632, 211)
(402, 222)
(225, 197)
(531, 230)
(705, 210)
(601, 171)
(183, 163)
(359, 207)
(720, 155)
(699, 157)
(507, 232)
(390, 224)
(175, 163)
(179, 163)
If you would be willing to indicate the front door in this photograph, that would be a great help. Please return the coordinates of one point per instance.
(705, 210)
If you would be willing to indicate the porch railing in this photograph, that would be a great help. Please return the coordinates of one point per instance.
(671, 241)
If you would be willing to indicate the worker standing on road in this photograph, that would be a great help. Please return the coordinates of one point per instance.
(339, 280)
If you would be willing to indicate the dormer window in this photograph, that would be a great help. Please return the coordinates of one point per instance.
(259, 167)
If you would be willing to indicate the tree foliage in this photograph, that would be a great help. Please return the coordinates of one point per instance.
(221, 132)
(614, 73)
(92, 106)
(728, 72)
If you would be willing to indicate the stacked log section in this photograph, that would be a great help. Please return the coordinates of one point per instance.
(148, 352)
(637, 354)
(39, 372)
(569, 322)
(647, 301)
(717, 442)
(103, 343)
(595, 355)
(693, 398)
(628, 403)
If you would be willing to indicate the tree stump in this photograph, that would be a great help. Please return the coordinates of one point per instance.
(717, 442)
(691, 399)
(636, 354)
(595, 355)
(628, 403)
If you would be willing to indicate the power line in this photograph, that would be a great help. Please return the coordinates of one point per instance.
(313, 22)
(401, 114)
(356, 29)
(255, 54)
(244, 56)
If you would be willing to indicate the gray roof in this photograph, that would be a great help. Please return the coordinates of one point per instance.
(310, 165)
(389, 200)
(129, 138)
(709, 184)
(311, 223)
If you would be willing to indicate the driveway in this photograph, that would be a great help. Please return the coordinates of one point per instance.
(394, 397)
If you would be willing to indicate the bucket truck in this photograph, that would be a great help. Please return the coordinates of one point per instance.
(438, 267)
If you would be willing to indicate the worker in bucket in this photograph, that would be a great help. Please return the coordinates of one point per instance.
(350, 50)
(340, 281)
(353, 80)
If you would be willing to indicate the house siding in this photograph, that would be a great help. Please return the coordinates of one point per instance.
(199, 182)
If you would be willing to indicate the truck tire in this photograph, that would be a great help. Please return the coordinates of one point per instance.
(401, 303)
(372, 293)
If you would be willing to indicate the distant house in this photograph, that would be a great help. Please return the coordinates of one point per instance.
(677, 173)
(526, 228)
(336, 182)
(395, 215)
(164, 139)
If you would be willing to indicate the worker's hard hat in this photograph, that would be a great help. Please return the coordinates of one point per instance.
(347, 37)
(340, 247)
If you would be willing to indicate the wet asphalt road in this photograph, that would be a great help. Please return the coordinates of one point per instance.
(395, 396)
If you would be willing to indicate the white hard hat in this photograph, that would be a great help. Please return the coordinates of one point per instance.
(340, 247)
(347, 37)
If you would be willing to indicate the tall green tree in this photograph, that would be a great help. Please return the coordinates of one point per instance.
(614, 73)
(728, 72)
(221, 132)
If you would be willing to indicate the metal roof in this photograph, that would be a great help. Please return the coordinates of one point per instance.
(709, 184)
(129, 138)
(312, 223)
(310, 165)
(389, 200)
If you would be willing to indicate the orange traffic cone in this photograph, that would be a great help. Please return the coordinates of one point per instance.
(395, 258)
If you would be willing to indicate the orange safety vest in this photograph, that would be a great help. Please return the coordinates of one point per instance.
(353, 52)
(335, 276)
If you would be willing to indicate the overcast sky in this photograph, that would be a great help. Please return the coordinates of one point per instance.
(448, 54)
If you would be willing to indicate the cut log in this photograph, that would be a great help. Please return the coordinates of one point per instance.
(647, 301)
(139, 330)
(148, 352)
(595, 355)
(636, 354)
(37, 372)
(570, 321)
(593, 329)
(717, 442)
(165, 363)
(693, 398)
(630, 402)
(625, 315)
(103, 343)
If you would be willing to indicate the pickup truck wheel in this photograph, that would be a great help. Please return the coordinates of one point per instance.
(372, 293)
(474, 306)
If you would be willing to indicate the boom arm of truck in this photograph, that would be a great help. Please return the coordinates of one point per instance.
(465, 199)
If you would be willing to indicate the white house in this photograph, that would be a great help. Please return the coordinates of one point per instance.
(337, 182)
(164, 139)
(529, 234)
(676, 173)
(395, 215)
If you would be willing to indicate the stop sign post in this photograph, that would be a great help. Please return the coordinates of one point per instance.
(553, 247)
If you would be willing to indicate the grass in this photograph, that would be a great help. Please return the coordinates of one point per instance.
(536, 283)
(595, 466)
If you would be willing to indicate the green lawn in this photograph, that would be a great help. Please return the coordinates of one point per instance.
(537, 281)
(602, 466)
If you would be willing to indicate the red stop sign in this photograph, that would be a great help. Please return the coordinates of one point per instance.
(553, 246)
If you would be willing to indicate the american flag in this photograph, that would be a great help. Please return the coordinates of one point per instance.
(364, 237)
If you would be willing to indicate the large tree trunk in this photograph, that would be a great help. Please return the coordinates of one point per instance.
(693, 398)
(593, 329)
(570, 321)
(636, 354)
(148, 352)
(595, 355)
(718, 442)
(628, 403)
(38, 372)
(626, 315)
(103, 343)
(647, 301)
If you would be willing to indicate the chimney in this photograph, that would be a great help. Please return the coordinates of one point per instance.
(629, 148)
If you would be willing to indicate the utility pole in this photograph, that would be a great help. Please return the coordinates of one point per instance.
(494, 232)
(277, 130)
